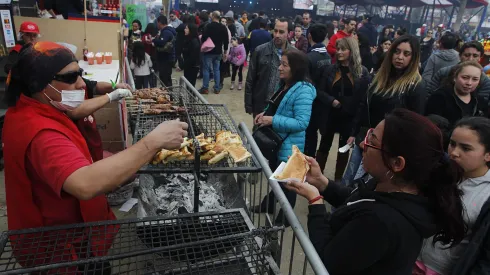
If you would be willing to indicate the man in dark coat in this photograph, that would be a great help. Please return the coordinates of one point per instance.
(369, 30)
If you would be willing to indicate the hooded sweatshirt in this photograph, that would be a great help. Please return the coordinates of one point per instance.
(370, 232)
(438, 61)
(440, 258)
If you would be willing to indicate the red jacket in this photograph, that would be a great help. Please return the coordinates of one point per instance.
(30, 117)
(331, 47)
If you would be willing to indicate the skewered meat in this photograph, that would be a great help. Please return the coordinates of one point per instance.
(161, 106)
(152, 111)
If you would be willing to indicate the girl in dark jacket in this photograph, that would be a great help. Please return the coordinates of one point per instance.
(340, 93)
(191, 52)
(181, 38)
(379, 227)
(456, 99)
(398, 83)
(380, 53)
(365, 51)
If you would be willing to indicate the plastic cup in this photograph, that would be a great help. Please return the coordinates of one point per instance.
(99, 60)
(108, 59)
(91, 60)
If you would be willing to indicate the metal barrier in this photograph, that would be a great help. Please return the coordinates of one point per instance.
(252, 188)
(129, 74)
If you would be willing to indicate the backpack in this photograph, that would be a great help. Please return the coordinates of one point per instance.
(169, 46)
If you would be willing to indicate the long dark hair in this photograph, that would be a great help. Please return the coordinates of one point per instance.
(139, 53)
(330, 29)
(420, 143)
(192, 32)
(298, 62)
(139, 24)
(151, 29)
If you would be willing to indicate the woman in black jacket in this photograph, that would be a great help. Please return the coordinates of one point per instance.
(365, 51)
(180, 40)
(398, 84)
(426, 46)
(457, 98)
(191, 51)
(380, 53)
(338, 98)
(379, 227)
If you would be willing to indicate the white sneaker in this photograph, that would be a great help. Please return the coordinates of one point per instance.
(239, 86)
(232, 85)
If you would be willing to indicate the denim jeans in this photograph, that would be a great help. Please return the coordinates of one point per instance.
(211, 61)
(353, 166)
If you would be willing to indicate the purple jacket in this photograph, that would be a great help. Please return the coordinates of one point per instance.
(237, 55)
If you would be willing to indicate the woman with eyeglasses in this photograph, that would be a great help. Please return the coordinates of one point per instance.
(426, 46)
(50, 176)
(379, 227)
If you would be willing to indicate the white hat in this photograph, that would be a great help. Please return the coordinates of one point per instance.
(440, 25)
(424, 25)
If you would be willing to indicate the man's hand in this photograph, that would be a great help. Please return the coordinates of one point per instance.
(336, 103)
(168, 135)
(225, 57)
(124, 86)
(119, 94)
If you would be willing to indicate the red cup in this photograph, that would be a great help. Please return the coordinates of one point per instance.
(99, 60)
(108, 59)
(91, 60)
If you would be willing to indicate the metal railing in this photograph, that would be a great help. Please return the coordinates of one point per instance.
(299, 233)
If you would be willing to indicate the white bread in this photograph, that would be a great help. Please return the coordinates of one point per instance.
(296, 167)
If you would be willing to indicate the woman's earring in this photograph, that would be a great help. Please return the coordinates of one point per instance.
(392, 174)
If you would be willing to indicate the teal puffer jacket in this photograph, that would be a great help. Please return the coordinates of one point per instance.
(293, 116)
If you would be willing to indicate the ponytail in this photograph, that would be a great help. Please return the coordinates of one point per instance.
(427, 167)
(444, 196)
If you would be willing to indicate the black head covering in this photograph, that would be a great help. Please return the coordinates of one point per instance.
(35, 69)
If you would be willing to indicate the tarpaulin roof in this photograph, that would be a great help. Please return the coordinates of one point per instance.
(471, 4)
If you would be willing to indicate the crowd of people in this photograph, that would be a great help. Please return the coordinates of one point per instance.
(412, 198)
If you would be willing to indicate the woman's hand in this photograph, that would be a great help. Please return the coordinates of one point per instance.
(374, 49)
(265, 120)
(256, 120)
(351, 140)
(304, 189)
(315, 176)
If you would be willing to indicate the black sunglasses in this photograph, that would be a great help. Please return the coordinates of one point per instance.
(70, 77)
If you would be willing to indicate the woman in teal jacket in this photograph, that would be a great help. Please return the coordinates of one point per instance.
(289, 112)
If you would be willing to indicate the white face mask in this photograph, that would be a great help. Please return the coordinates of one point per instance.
(70, 99)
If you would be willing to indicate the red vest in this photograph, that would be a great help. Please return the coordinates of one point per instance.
(21, 125)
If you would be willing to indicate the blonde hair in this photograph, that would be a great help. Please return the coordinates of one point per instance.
(355, 62)
(383, 83)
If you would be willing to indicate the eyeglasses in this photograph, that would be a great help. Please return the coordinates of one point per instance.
(70, 77)
(367, 144)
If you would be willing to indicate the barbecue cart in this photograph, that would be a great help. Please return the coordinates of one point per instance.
(193, 215)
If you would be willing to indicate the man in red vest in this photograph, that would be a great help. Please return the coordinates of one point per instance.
(50, 177)
(28, 33)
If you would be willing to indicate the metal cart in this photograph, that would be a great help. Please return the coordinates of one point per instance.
(230, 241)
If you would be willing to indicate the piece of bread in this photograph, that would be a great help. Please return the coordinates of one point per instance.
(208, 155)
(218, 158)
(296, 167)
(238, 153)
(187, 142)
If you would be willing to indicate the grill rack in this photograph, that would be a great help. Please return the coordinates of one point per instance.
(202, 118)
(224, 242)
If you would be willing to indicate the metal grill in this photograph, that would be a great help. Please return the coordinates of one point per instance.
(202, 243)
(202, 118)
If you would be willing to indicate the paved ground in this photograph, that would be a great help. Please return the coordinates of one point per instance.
(234, 100)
